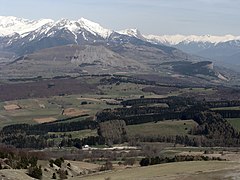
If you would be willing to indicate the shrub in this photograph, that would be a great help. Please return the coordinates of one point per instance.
(107, 166)
(35, 172)
(62, 174)
(58, 162)
(144, 162)
(54, 176)
(84, 103)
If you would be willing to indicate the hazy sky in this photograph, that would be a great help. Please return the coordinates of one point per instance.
(215, 17)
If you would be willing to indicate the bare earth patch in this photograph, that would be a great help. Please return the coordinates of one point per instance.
(44, 120)
(89, 99)
(75, 112)
(11, 107)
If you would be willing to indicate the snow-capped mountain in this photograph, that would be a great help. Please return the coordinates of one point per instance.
(22, 36)
(83, 44)
(224, 50)
(132, 32)
(25, 36)
(10, 25)
(177, 39)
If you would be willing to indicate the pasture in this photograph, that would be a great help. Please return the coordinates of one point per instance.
(161, 128)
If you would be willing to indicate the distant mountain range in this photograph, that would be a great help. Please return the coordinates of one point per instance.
(224, 50)
(95, 46)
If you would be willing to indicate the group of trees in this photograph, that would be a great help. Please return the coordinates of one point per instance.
(37, 137)
(44, 128)
(144, 114)
(46, 141)
(160, 160)
(114, 131)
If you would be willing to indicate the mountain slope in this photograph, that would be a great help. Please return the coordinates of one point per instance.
(71, 60)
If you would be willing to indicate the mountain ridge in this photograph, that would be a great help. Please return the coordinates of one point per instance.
(9, 25)
(176, 39)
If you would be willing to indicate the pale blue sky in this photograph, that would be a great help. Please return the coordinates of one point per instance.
(215, 17)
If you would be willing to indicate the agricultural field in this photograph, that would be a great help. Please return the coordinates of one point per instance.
(30, 111)
(88, 103)
(126, 91)
(42, 110)
(162, 128)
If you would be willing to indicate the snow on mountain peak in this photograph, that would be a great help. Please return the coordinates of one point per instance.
(131, 32)
(73, 26)
(94, 28)
(10, 25)
(176, 39)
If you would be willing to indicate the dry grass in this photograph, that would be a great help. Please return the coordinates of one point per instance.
(13, 174)
(171, 171)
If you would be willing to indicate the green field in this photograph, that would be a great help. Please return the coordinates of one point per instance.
(227, 108)
(162, 128)
(235, 122)
(78, 134)
(30, 109)
(124, 90)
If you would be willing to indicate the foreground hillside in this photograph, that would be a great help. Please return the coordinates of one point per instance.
(175, 171)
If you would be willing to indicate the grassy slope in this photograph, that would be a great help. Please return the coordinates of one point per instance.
(13, 174)
(235, 122)
(178, 170)
(161, 128)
